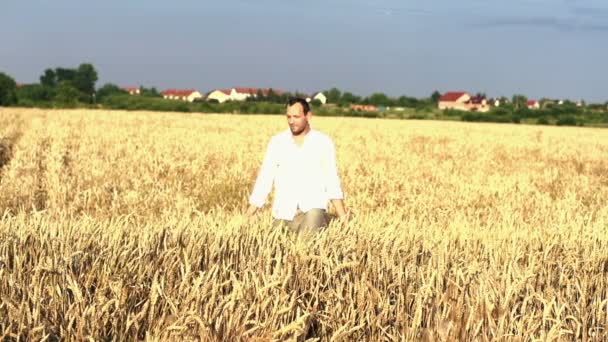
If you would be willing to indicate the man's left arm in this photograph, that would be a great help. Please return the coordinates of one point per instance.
(339, 205)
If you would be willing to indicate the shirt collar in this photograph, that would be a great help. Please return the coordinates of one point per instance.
(308, 136)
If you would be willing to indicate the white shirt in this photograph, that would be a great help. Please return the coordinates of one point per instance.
(305, 177)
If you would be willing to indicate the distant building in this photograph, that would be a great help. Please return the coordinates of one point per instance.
(132, 90)
(363, 108)
(220, 95)
(181, 94)
(239, 93)
(461, 100)
(454, 100)
(478, 103)
(242, 93)
(533, 104)
(545, 103)
(318, 96)
(495, 102)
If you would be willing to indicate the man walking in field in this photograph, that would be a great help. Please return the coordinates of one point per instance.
(301, 163)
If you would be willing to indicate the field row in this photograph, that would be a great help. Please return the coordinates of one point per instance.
(129, 224)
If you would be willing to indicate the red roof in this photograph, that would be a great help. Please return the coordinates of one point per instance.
(242, 90)
(452, 96)
(178, 92)
(532, 102)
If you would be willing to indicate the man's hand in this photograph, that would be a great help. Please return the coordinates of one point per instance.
(339, 205)
(343, 215)
(251, 210)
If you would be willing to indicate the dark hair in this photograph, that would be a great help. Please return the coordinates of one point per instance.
(294, 100)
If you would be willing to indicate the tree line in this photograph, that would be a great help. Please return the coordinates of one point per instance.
(62, 87)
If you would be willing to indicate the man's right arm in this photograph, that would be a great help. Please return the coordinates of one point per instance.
(263, 184)
(251, 210)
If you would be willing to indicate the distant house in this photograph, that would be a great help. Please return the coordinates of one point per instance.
(219, 95)
(533, 104)
(181, 94)
(239, 93)
(242, 93)
(132, 90)
(318, 96)
(477, 102)
(545, 103)
(363, 108)
(461, 100)
(454, 100)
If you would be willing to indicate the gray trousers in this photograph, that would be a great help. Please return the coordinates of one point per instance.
(312, 220)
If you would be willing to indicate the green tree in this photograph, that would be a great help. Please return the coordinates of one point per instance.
(259, 96)
(149, 92)
(8, 90)
(519, 101)
(435, 96)
(49, 78)
(348, 98)
(284, 97)
(567, 120)
(542, 120)
(67, 94)
(108, 90)
(85, 78)
(407, 101)
(596, 106)
(272, 96)
(33, 94)
(65, 74)
(333, 95)
(316, 103)
(379, 99)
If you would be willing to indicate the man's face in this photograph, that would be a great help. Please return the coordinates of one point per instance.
(297, 120)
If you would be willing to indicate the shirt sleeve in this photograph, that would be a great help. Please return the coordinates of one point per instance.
(333, 188)
(263, 184)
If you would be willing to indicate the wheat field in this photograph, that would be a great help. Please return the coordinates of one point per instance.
(128, 225)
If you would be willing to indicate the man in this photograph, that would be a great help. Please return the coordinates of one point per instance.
(301, 163)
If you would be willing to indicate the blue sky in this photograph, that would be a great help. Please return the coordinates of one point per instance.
(539, 48)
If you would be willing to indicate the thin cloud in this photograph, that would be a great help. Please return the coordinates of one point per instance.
(561, 24)
(590, 12)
